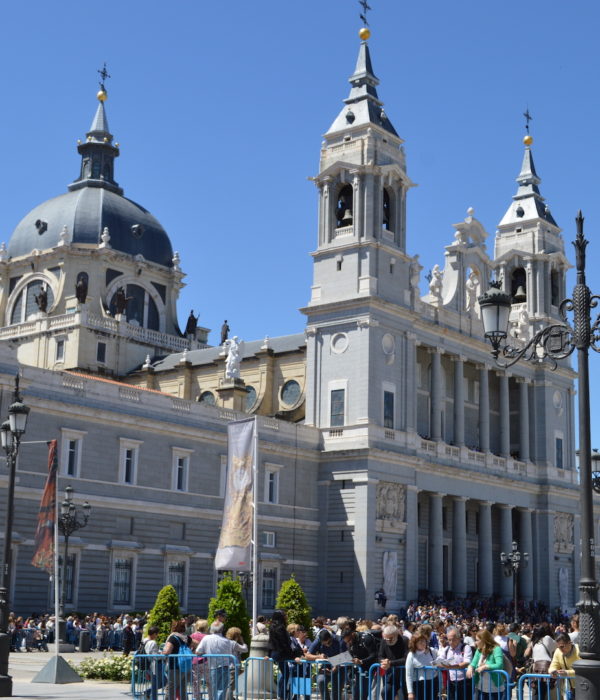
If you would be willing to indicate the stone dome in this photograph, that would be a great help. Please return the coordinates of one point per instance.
(86, 211)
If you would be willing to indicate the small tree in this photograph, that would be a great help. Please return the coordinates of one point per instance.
(231, 599)
(165, 610)
(291, 598)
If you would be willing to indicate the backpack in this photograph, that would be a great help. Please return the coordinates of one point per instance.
(143, 662)
(183, 659)
(509, 666)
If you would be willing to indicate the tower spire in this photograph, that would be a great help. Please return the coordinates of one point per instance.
(98, 151)
(528, 203)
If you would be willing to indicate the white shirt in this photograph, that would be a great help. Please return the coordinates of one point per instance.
(456, 656)
(218, 644)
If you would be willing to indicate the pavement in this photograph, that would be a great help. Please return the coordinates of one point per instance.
(23, 666)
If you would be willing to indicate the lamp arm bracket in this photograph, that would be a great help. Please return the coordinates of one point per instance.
(555, 342)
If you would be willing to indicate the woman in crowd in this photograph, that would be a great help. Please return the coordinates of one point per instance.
(176, 679)
(200, 674)
(488, 658)
(235, 634)
(561, 666)
(421, 679)
(540, 650)
(280, 650)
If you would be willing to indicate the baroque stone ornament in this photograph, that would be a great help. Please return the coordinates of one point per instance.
(563, 533)
(391, 501)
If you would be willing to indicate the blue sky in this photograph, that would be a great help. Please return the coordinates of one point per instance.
(220, 109)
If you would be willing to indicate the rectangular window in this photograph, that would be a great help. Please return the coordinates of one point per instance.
(72, 446)
(176, 577)
(223, 476)
(268, 538)
(338, 400)
(128, 460)
(272, 486)
(181, 468)
(60, 350)
(101, 352)
(388, 409)
(122, 574)
(269, 586)
(559, 453)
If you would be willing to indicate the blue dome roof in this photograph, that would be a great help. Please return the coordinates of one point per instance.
(86, 212)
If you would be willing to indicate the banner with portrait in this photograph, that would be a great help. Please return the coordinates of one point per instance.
(235, 543)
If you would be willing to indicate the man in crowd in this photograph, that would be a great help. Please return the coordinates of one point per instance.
(325, 646)
(216, 643)
(363, 649)
(392, 658)
(456, 657)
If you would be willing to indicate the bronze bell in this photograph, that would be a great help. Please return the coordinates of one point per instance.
(347, 218)
(520, 295)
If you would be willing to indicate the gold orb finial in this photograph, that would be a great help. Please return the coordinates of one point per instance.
(528, 139)
(364, 33)
(102, 96)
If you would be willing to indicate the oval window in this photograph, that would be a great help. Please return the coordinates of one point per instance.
(290, 392)
(250, 397)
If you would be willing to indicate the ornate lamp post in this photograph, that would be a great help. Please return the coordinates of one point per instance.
(511, 563)
(556, 342)
(69, 520)
(11, 432)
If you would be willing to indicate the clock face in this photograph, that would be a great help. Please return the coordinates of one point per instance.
(207, 397)
(290, 392)
(250, 397)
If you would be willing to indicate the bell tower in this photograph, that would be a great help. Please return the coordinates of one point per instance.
(529, 250)
(362, 185)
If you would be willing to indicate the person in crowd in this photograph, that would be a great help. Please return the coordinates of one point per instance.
(561, 666)
(221, 649)
(574, 633)
(324, 647)
(280, 650)
(234, 634)
(154, 671)
(517, 644)
(488, 658)
(261, 627)
(200, 673)
(128, 637)
(392, 658)
(501, 636)
(540, 650)
(455, 658)
(177, 679)
(363, 649)
(421, 678)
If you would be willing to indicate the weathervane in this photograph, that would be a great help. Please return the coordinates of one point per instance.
(104, 75)
(528, 118)
(365, 8)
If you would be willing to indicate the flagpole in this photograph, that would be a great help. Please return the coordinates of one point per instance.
(56, 582)
(255, 531)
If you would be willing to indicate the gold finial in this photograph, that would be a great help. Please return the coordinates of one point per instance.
(528, 139)
(364, 33)
(101, 95)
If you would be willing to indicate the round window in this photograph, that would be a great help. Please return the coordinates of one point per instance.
(250, 397)
(207, 397)
(290, 393)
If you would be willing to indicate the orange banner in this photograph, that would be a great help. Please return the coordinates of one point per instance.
(43, 557)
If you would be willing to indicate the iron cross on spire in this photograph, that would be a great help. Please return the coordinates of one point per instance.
(104, 75)
(365, 8)
(528, 118)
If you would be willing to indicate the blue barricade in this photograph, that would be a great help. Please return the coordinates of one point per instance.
(542, 686)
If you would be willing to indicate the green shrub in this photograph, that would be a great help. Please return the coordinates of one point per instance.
(291, 598)
(165, 610)
(231, 599)
(109, 667)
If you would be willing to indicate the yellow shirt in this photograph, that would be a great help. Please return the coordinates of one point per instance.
(563, 662)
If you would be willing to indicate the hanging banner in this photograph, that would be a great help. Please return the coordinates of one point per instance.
(43, 557)
(235, 542)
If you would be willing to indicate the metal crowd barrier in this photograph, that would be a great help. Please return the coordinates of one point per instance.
(184, 677)
(222, 677)
(538, 686)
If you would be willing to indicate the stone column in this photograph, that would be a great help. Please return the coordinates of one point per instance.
(436, 394)
(506, 538)
(327, 206)
(486, 579)
(411, 565)
(357, 203)
(459, 401)
(409, 392)
(436, 551)
(459, 547)
(504, 416)
(484, 410)
(526, 545)
(523, 420)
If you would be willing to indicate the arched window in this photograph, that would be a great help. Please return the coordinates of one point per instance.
(518, 287)
(26, 306)
(344, 207)
(207, 398)
(387, 209)
(141, 309)
(554, 288)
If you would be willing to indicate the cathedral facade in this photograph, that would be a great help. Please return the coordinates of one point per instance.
(393, 452)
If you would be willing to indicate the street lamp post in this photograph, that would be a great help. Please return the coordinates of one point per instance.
(556, 342)
(245, 578)
(511, 563)
(69, 520)
(11, 432)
